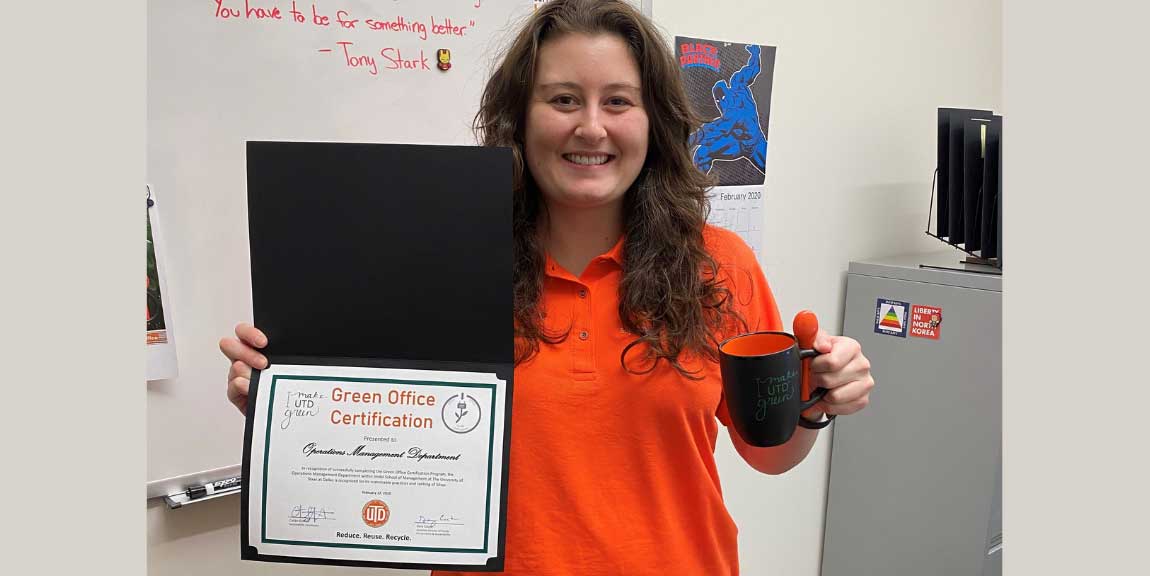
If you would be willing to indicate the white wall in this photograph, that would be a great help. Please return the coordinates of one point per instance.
(852, 133)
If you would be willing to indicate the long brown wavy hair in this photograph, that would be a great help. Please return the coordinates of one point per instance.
(670, 296)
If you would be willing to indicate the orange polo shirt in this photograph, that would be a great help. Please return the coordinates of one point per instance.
(613, 473)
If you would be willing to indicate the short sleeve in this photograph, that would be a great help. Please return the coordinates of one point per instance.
(739, 270)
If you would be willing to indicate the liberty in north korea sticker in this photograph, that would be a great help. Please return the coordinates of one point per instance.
(891, 317)
(925, 322)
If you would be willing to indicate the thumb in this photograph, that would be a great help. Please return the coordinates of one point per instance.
(824, 341)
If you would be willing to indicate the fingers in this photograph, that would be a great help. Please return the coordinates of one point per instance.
(848, 398)
(845, 372)
(251, 335)
(236, 350)
(824, 343)
(239, 370)
(238, 393)
(840, 353)
(243, 353)
(857, 368)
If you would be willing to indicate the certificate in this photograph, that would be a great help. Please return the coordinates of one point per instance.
(379, 434)
(380, 466)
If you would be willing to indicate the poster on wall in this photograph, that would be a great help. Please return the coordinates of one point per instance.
(729, 86)
(161, 346)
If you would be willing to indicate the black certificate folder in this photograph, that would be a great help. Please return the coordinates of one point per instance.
(382, 250)
(381, 256)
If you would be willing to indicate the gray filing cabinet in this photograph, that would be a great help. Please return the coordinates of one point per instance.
(915, 479)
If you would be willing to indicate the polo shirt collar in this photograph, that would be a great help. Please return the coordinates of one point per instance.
(614, 255)
(616, 252)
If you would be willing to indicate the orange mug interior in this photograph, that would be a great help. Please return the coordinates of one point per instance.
(759, 344)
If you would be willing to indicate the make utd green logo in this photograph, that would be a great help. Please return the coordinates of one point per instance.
(774, 390)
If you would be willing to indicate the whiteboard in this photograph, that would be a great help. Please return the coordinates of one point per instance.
(221, 73)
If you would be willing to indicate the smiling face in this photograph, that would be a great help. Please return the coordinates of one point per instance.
(586, 131)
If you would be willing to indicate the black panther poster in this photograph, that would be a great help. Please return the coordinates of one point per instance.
(729, 85)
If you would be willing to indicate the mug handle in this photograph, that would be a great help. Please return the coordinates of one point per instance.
(816, 395)
(806, 327)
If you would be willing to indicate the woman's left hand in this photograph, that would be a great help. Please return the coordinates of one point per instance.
(842, 369)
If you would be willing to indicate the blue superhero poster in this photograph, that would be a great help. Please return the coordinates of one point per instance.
(729, 85)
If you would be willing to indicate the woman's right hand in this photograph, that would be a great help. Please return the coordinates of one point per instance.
(244, 355)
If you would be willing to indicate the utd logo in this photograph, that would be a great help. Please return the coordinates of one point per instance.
(376, 513)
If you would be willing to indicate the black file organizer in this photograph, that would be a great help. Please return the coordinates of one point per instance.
(382, 255)
(968, 181)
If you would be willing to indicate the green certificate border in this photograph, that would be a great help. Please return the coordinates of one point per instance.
(267, 452)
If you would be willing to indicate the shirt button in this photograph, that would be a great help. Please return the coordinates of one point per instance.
(582, 293)
(583, 335)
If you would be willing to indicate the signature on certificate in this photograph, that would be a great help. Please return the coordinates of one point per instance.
(442, 520)
(310, 514)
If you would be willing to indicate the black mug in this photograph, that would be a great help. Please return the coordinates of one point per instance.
(766, 382)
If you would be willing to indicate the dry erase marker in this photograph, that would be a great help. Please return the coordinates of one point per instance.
(196, 492)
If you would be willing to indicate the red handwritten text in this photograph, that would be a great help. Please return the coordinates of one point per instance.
(366, 58)
(399, 24)
(343, 20)
(398, 62)
(357, 61)
(446, 28)
(317, 19)
(249, 13)
(225, 13)
(260, 13)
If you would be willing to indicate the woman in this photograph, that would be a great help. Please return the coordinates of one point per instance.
(622, 293)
